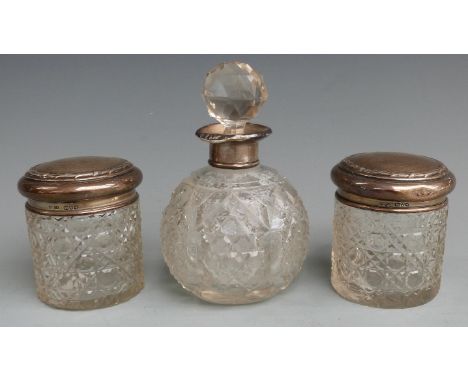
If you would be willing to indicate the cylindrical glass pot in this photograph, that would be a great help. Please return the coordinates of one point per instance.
(84, 227)
(389, 228)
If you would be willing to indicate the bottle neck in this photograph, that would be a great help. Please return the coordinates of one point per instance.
(234, 154)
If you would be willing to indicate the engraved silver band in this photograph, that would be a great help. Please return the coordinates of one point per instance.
(82, 207)
(389, 205)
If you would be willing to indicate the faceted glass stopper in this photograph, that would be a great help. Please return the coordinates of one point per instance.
(233, 93)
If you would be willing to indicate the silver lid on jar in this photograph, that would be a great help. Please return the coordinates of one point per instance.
(392, 182)
(80, 185)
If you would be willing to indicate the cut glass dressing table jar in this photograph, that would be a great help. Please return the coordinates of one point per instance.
(83, 220)
(389, 228)
(234, 232)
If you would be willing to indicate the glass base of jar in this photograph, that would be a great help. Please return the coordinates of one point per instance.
(102, 302)
(387, 300)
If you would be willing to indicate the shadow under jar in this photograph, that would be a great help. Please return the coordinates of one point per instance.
(83, 221)
(389, 228)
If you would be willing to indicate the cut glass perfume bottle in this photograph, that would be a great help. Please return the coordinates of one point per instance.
(234, 232)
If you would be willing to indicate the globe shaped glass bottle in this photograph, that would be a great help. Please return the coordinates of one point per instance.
(234, 232)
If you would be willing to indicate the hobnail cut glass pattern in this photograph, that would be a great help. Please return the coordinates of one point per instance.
(235, 236)
(389, 260)
(87, 261)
